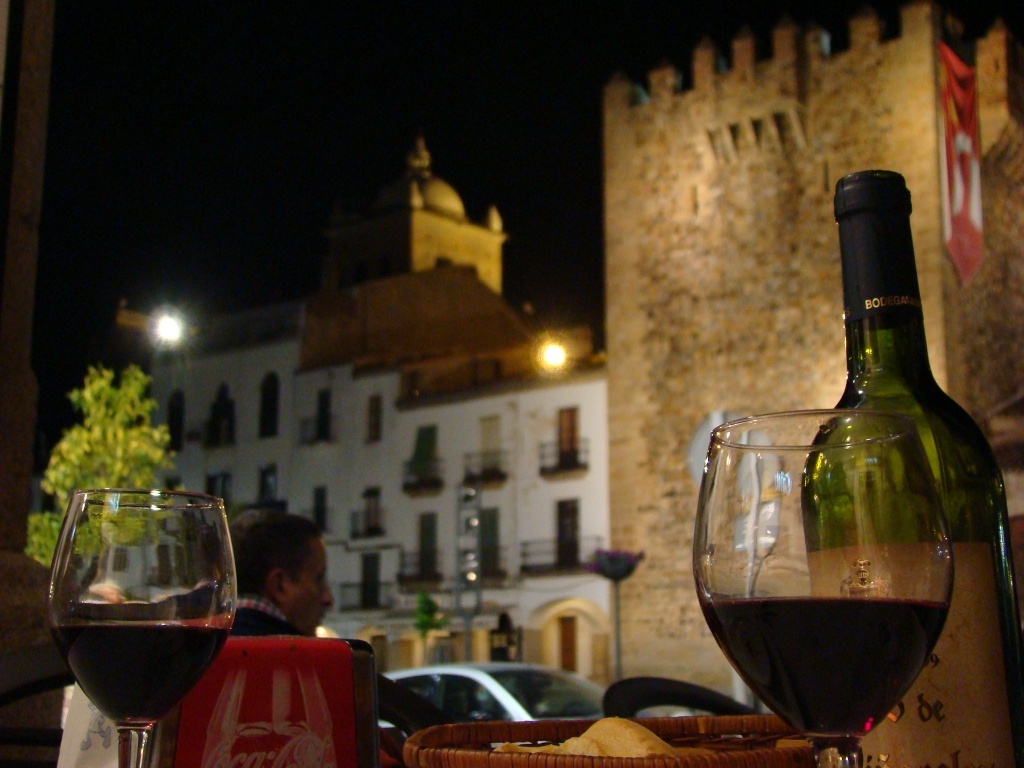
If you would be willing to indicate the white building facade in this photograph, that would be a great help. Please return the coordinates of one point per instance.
(401, 407)
(395, 481)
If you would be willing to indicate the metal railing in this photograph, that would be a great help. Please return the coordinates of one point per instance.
(555, 459)
(486, 467)
(365, 524)
(359, 596)
(548, 556)
(422, 475)
(417, 568)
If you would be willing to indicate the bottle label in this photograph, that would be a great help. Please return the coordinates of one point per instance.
(956, 713)
(887, 302)
(860, 307)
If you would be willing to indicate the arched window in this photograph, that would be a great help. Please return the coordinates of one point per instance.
(270, 389)
(220, 429)
(176, 419)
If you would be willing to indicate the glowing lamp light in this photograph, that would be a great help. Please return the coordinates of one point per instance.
(553, 356)
(169, 329)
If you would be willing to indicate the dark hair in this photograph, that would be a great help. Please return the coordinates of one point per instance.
(266, 539)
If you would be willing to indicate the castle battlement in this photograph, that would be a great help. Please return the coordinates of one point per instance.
(764, 103)
(722, 278)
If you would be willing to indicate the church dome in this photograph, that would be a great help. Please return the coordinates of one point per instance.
(421, 189)
(440, 196)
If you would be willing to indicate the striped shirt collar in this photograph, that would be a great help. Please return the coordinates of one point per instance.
(260, 603)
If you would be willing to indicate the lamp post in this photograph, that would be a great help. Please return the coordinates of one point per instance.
(468, 583)
(616, 565)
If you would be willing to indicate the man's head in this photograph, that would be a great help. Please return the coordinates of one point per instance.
(281, 557)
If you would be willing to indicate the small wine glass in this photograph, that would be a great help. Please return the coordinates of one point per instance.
(142, 597)
(822, 566)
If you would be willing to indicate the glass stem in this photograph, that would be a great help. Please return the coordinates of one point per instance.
(840, 752)
(133, 746)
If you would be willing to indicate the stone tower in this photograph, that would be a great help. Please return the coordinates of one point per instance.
(723, 276)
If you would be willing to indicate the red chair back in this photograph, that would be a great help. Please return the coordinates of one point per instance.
(282, 701)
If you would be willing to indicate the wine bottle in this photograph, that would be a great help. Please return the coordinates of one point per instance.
(967, 706)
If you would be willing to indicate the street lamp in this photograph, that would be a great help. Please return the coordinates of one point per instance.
(552, 356)
(167, 329)
(164, 329)
(467, 585)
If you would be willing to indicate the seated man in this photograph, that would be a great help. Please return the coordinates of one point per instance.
(281, 565)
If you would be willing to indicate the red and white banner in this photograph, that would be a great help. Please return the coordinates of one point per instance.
(961, 166)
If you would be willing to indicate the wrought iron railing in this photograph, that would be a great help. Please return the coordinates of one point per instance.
(486, 467)
(557, 555)
(420, 566)
(364, 596)
(555, 458)
(423, 475)
(365, 523)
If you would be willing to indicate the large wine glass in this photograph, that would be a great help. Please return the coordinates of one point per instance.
(823, 566)
(142, 597)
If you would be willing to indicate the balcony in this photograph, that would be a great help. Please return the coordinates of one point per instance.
(492, 567)
(419, 571)
(421, 477)
(486, 468)
(366, 596)
(366, 523)
(318, 429)
(556, 460)
(557, 557)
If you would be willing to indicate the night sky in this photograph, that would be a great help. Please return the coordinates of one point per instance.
(196, 149)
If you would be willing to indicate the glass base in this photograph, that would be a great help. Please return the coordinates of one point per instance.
(842, 752)
(133, 746)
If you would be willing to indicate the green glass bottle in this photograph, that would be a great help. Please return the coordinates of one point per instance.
(967, 706)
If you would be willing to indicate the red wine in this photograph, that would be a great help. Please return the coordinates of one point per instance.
(136, 672)
(827, 666)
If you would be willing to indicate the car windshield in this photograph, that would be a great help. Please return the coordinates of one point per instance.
(550, 693)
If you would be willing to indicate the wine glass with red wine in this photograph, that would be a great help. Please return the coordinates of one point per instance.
(142, 597)
(822, 566)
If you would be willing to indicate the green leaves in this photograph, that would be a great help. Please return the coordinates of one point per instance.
(43, 531)
(114, 446)
(428, 616)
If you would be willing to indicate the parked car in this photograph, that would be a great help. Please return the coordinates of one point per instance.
(503, 690)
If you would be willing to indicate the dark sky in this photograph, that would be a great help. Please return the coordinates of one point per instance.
(196, 149)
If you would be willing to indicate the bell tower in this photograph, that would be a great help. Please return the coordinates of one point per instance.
(417, 223)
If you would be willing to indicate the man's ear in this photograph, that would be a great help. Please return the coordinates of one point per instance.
(275, 585)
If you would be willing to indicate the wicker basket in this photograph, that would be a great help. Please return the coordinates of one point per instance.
(743, 741)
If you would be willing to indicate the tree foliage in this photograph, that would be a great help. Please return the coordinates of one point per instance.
(428, 615)
(114, 446)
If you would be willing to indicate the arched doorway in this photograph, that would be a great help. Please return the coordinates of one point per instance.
(571, 634)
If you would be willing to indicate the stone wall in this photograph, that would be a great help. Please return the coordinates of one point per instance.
(723, 277)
